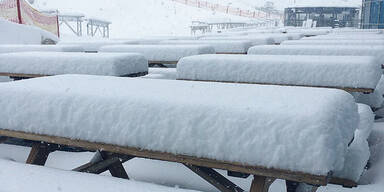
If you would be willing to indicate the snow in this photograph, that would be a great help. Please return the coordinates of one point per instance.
(12, 33)
(9, 48)
(221, 46)
(195, 118)
(330, 71)
(161, 52)
(95, 45)
(54, 63)
(351, 36)
(67, 181)
(256, 40)
(308, 31)
(358, 153)
(363, 50)
(161, 73)
(349, 42)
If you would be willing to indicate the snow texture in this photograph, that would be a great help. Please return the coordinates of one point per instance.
(12, 33)
(221, 46)
(54, 63)
(254, 39)
(363, 50)
(95, 45)
(231, 122)
(329, 71)
(161, 52)
(9, 48)
(350, 42)
(351, 36)
(358, 152)
(161, 73)
(56, 180)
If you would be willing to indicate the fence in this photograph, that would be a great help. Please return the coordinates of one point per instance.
(256, 14)
(20, 11)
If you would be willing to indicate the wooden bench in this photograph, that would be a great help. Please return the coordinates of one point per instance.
(281, 68)
(109, 92)
(37, 64)
(161, 54)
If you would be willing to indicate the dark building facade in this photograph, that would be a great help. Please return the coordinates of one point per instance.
(323, 16)
(373, 14)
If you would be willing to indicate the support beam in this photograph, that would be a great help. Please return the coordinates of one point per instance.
(261, 184)
(39, 153)
(215, 179)
(116, 169)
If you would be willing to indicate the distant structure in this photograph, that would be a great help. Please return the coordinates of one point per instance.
(95, 26)
(334, 17)
(373, 14)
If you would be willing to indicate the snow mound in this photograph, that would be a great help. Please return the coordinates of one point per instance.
(363, 50)
(54, 63)
(162, 52)
(12, 33)
(328, 71)
(95, 45)
(67, 181)
(358, 152)
(231, 122)
(9, 48)
(350, 42)
(161, 73)
(221, 46)
(256, 40)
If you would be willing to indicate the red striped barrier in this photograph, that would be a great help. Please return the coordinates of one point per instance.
(256, 14)
(20, 11)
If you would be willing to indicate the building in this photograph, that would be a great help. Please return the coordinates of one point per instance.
(322, 16)
(373, 14)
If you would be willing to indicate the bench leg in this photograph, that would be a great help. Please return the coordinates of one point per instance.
(300, 187)
(261, 184)
(106, 161)
(39, 153)
(215, 178)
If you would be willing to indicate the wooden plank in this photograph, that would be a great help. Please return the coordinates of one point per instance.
(23, 75)
(344, 182)
(229, 166)
(215, 179)
(360, 90)
(163, 62)
(261, 184)
(39, 154)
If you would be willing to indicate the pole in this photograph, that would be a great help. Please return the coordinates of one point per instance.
(19, 11)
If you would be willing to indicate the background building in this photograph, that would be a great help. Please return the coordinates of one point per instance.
(373, 14)
(322, 16)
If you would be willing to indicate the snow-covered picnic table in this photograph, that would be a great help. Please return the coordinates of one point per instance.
(10, 48)
(35, 64)
(239, 124)
(221, 46)
(155, 54)
(352, 73)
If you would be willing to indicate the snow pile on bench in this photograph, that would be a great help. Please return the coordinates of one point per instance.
(43, 179)
(94, 46)
(221, 46)
(358, 152)
(363, 50)
(351, 42)
(9, 48)
(359, 36)
(308, 32)
(12, 33)
(308, 132)
(161, 73)
(161, 52)
(53, 63)
(256, 40)
(324, 71)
